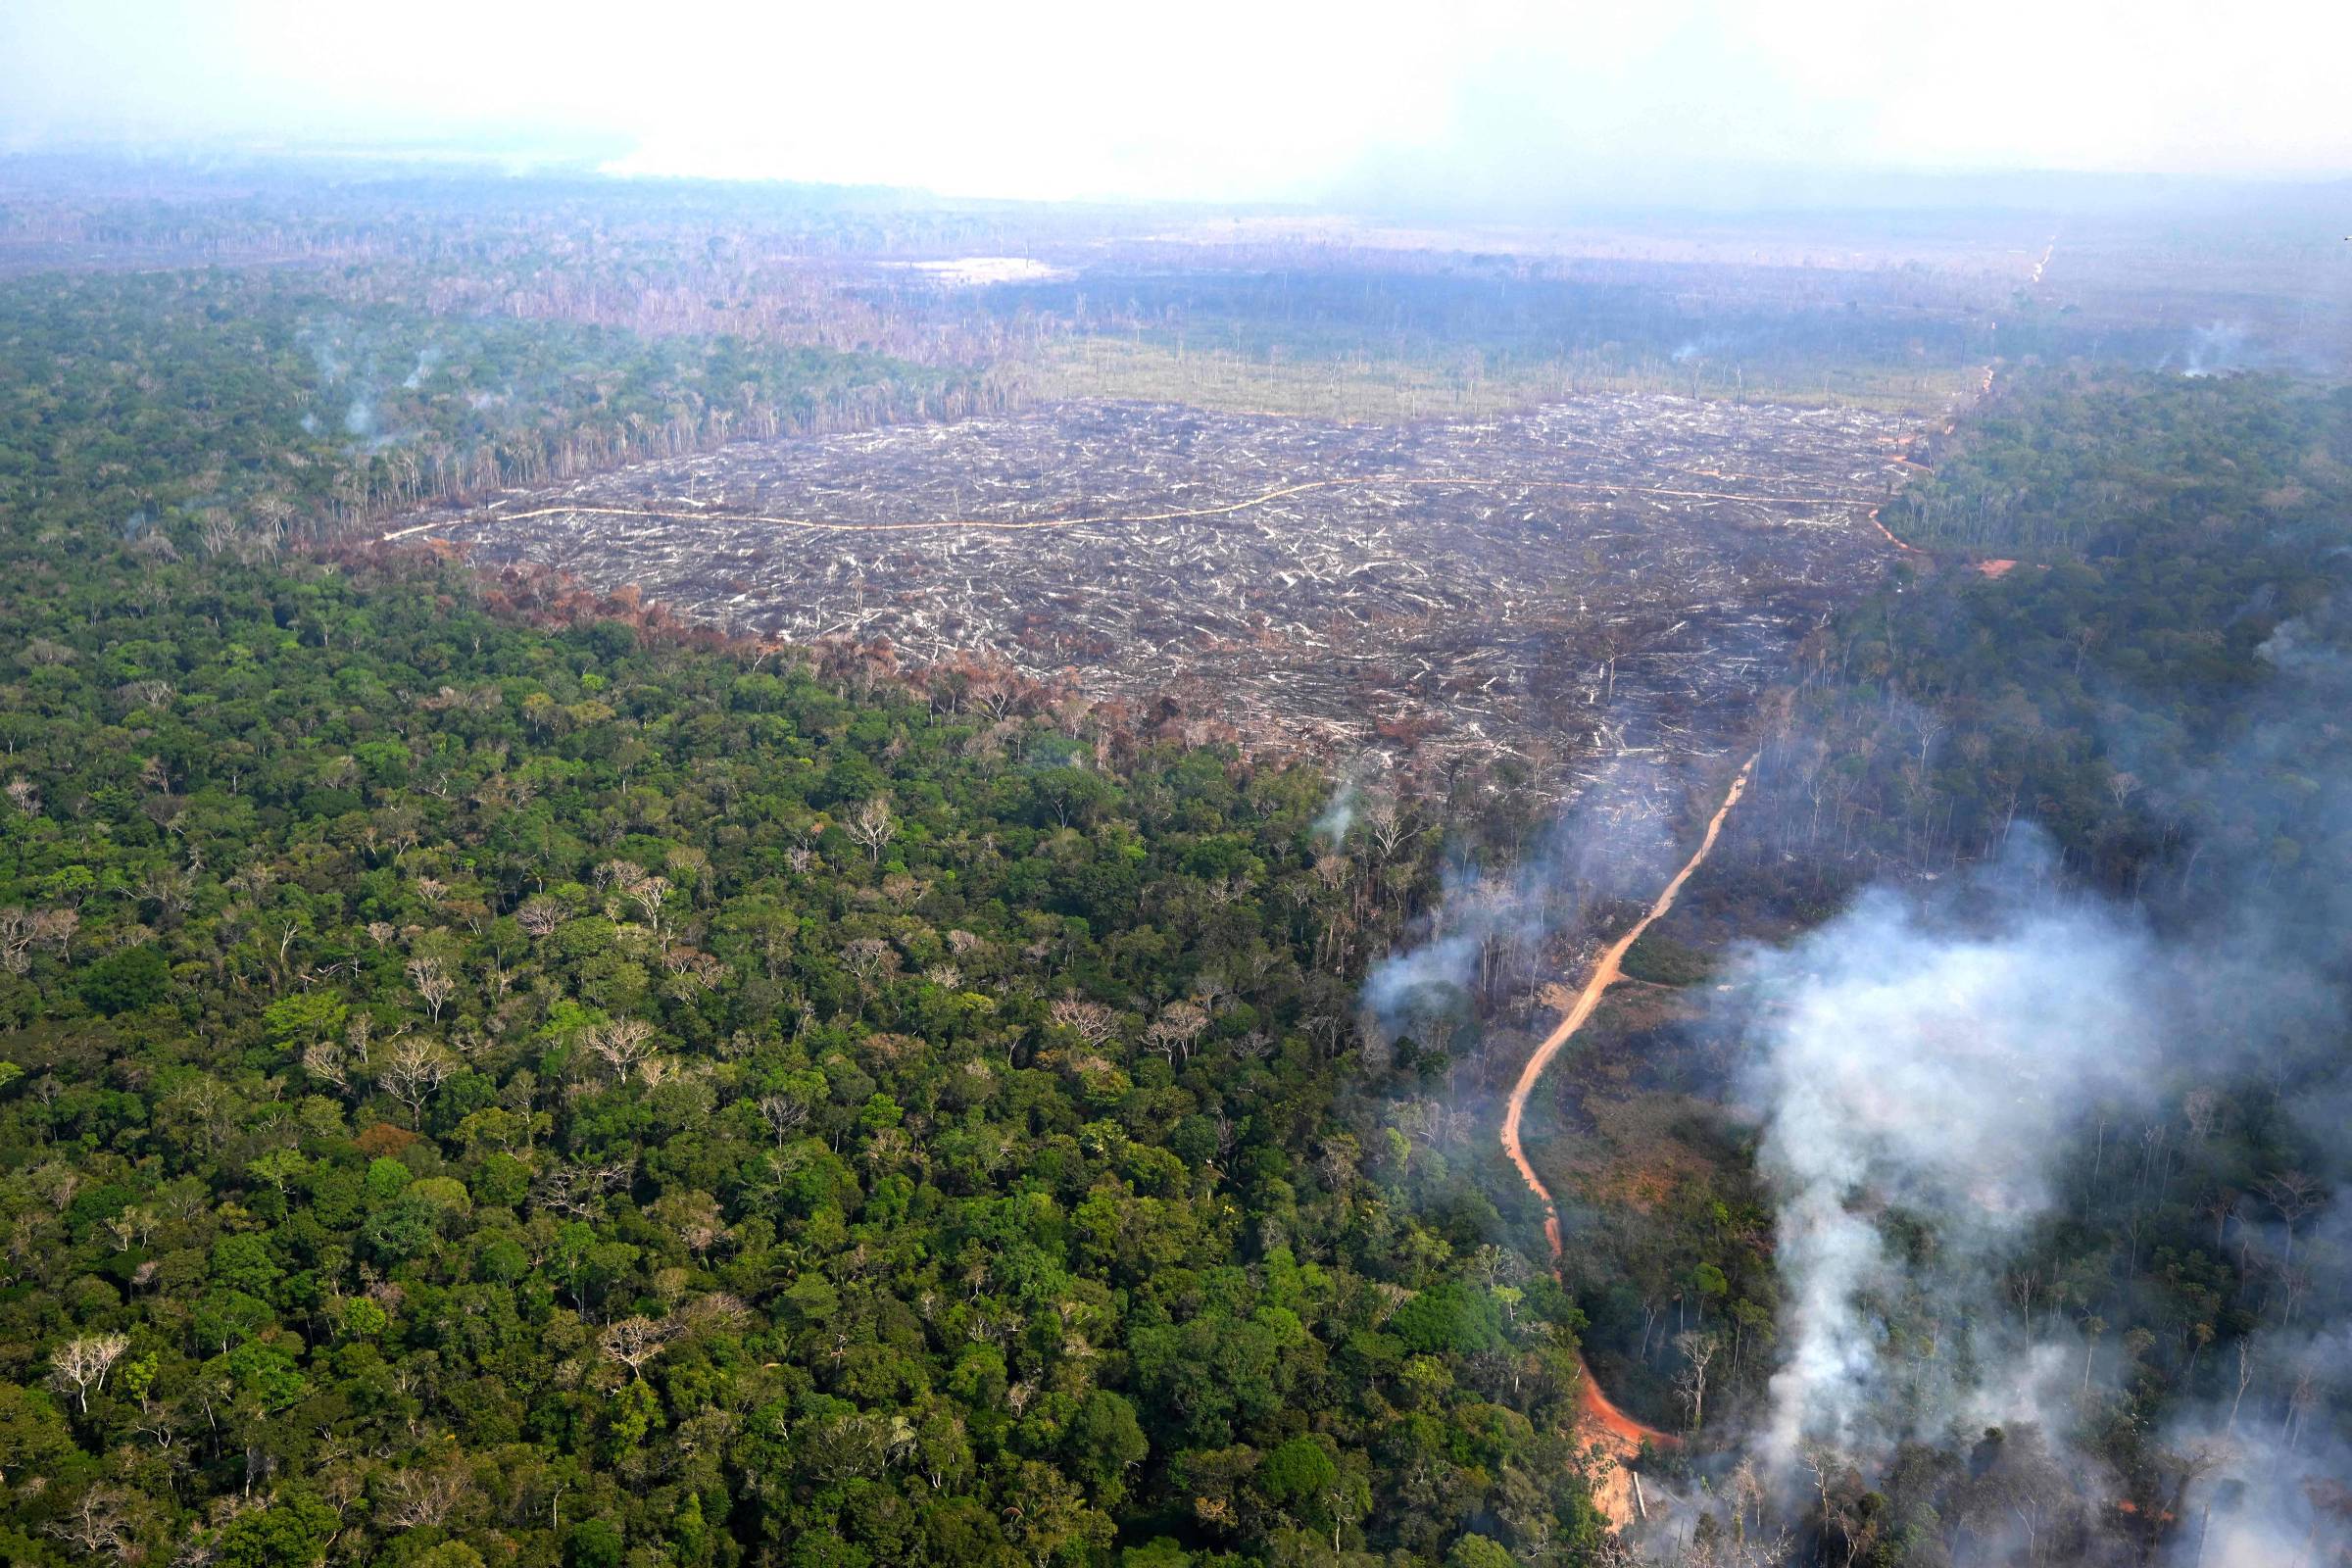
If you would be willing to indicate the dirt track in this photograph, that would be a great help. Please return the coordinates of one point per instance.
(1617, 1431)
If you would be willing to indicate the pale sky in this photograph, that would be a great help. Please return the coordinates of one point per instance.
(1214, 99)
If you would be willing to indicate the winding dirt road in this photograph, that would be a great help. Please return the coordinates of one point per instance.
(1620, 1434)
(1017, 526)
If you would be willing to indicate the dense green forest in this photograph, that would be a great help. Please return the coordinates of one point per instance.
(2106, 467)
(2126, 686)
(261, 402)
(484, 1091)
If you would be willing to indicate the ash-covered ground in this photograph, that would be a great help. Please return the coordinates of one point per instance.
(1604, 575)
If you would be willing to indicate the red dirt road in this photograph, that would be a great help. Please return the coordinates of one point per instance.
(1618, 1432)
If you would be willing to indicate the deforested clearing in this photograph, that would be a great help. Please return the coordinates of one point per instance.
(1603, 574)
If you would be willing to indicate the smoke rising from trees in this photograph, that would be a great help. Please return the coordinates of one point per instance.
(1947, 1076)
(1919, 1074)
(1489, 931)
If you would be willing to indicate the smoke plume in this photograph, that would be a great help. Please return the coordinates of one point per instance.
(1924, 1062)
(1490, 929)
(2215, 350)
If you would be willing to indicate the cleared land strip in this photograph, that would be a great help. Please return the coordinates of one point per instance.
(1016, 525)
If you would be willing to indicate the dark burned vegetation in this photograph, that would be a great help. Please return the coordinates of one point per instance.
(1605, 574)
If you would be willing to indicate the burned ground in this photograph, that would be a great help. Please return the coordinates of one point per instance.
(1605, 574)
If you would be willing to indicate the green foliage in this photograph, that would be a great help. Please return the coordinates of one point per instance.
(427, 1156)
(35, 1439)
(127, 981)
(291, 1532)
(1452, 1318)
(2118, 690)
(2088, 467)
(1299, 1469)
(1478, 1551)
(1105, 1440)
(593, 1544)
(1661, 960)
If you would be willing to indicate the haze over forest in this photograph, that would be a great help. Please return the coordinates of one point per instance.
(1280, 786)
(1505, 105)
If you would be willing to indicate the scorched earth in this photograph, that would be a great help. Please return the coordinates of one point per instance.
(1606, 576)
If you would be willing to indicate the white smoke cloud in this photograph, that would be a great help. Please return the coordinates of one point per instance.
(2281, 1485)
(1348, 797)
(1929, 1071)
(2214, 349)
(1612, 841)
(427, 359)
(1927, 1064)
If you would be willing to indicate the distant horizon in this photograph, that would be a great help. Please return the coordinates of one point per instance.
(1725, 188)
(1232, 103)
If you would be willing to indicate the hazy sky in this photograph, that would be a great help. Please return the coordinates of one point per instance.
(1212, 98)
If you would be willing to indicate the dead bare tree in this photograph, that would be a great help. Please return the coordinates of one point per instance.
(2291, 1195)
(413, 1069)
(16, 940)
(782, 1114)
(2245, 1380)
(867, 958)
(423, 1498)
(81, 1366)
(577, 1190)
(647, 894)
(100, 1522)
(633, 1342)
(2300, 1398)
(1090, 1021)
(433, 983)
(1698, 1354)
(873, 826)
(1177, 1027)
(624, 1044)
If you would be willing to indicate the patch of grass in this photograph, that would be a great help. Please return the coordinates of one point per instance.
(1366, 389)
(1663, 961)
